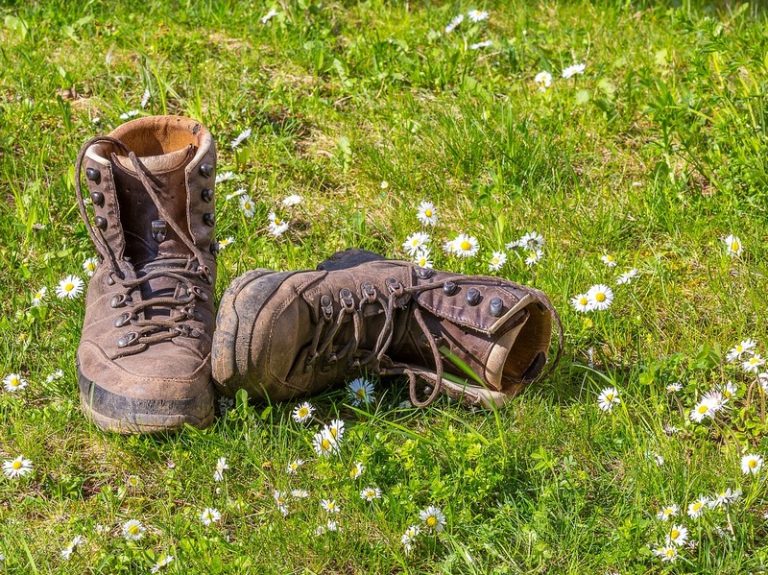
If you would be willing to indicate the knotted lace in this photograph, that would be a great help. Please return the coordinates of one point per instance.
(186, 273)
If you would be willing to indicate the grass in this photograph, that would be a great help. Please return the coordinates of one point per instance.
(653, 155)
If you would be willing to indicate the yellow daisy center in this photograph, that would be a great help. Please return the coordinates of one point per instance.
(609, 397)
(431, 521)
(600, 296)
(752, 463)
(609, 258)
(674, 534)
(334, 431)
(670, 552)
(698, 505)
(735, 246)
(360, 393)
(303, 412)
(133, 529)
(428, 213)
(465, 245)
(583, 300)
(17, 465)
(739, 348)
(703, 409)
(325, 443)
(69, 286)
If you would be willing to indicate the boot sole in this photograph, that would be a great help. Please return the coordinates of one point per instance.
(120, 414)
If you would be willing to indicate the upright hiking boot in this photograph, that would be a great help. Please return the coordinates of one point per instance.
(144, 355)
(282, 335)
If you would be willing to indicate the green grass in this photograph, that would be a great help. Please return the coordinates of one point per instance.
(654, 154)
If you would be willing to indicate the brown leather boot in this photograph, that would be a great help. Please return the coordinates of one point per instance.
(281, 335)
(143, 360)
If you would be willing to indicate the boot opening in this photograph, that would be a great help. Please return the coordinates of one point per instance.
(160, 135)
(528, 353)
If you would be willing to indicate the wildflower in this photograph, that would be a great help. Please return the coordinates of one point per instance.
(678, 535)
(293, 467)
(329, 505)
(70, 287)
(674, 387)
(421, 259)
(608, 398)
(433, 518)
(415, 243)
(67, 552)
(658, 458)
(224, 177)
(753, 364)
(573, 70)
(600, 297)
(57, 374)
(733, 246)
(751, 464)
(455, 23)
(210, 515)
(670, 429)
(477, 15)
(465, 246)
(763, 379)
(332, 525)
(268, 16)
(698, 507)
(280, 501)
(709, 405)
(497, 261)
(299, 493)
(370, 493)
(741, 349)
(426, 213)
(133, 482)
(534, 256)
(89, 266)
(581, 303)
(728, 391)
(360, 391)
(530, 241)
(13, 382)
(626, 277)
(725, 497)
(145, 98)
(609, 260)
(356, 470)
(303, 412)
(384, 184)
(483, 44)
(335, 429)
(324, 444)
(18, 467)
(39, 296)
(668, 553)
(292, 200)
(133, 530)
(667, 512)
(241, 137)
(409, 537)
(543, 79)
(164, 561)
(246, 204)
(277, 227)
(129, 114)
(221, 467)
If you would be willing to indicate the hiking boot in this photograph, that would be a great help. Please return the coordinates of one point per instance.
(144, 355)
(282, 335)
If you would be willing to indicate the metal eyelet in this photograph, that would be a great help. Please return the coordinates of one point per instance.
(368, 292)
(199, 293)
(120, 300)
(100, 222)
(346, 300)
(496, 307)
(424, 273)
(123, 319)
(93, 175)
(450, 288)
(209, 219)
(473, 296)
(394, 286)
(326, 306)
(127, 339)
(206, 170)
(207, 195)
(98, 199)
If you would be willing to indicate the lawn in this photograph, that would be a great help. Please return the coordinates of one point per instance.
(643, 148)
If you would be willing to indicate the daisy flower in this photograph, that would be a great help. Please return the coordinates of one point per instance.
(725, 497)
(728, 391)
(370, 493)
(530, 241)
(210, 515)
(329, 505)
(433, 518)
(668, 553)
(678, 535)
(299, 493)
(221, 467)
(674, 387)
(269, 15)
(409, 537)
(581, 303)
(241, 137)
(609, 260)
(356, 470)
(415, 243)
(740, 350)
(543, 79)
(753, 364)
(608, 399)
(573, 70)
(360, 391)
(303, 412)
(465, 246)
(129, 114)
(426, 213)
(164, 561)
(226, 242)
(13, 382)
(70, 287)
(224, 177)
(277, 227)
(324, 444)
(335, 429)
(57, 374)
(709, 405)
(421, 259)
(133, 530)
(497, 261)
(477, 15)
(18, 467)
(534, 256)
(332, 526)
(733, 246)
(384, 184)
(89, 266)
(600, 297)
(751, 464)
(280, 501)
(483, 44)
(67, 552)
(145, 98)
(292, 200)
(763, 379)
(627, 277)
(698, 507)
(39, 296)
(246, 204)
(455, 23)
(293, 467)
(667, 512)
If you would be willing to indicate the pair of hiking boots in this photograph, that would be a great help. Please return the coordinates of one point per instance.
(149, 346)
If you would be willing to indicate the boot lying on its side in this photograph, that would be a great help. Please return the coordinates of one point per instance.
(281, 335)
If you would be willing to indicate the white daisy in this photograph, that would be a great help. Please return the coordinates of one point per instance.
(89, 266)
(709, 405)
(241, 137)
(360, 391)
(280, 501)
(455, 23)
(733, 246)
(277, 226)
(477, 15)
(293, 467)
(725, 497)
(543, 79)
(479, 45)
(728, 391)
(224, 177)
(698, 507)
(668, 553)
(751, 464)
(133, 530)
(600, 297)
(534, 256)
(433, 518)
(421, 259)
(13, 382)
(356, 470)
(573, 70)
(674, 387)
(581, 303)
(426, 213)
(70, 287)
(39, 296)
(299, 493)
(609, 260)
(753, 364)
(329, 505)
(324, 444)
(226, 242)
(210, 515)
(303, 412)
(667, 512)
(608, 399)
(67, 552)
(409, 537)
(145, 98)
(57, 374)
(246, 204)
(129, 114)
(415, 243)
(370, 493)
(221, 467)
(465, 246)
(762, 378)
(740, 350)
(530, 241)
(269, 15)
(497, 261)
(291, 201)
(18, 467)
(332, 525)
(678, 535)
(384, 184)
(627, 277)
(335, 429)
(164, 561)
